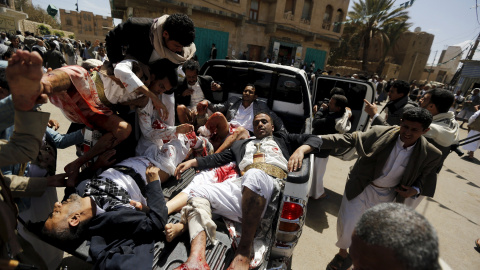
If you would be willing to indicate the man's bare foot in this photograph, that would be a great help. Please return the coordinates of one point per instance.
(240, 262)
(173, 230)
(24, 73)
(202, 265)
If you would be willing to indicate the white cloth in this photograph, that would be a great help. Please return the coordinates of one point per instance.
(154, 130)
(226, 197)
(139, 165)
(319, 167)
(444, 129)
(214, 175)
(244, 117)
(473, 146)
(169, 102)
(197, 214)
(268, 146)
(343, 124)
(414, 202)
(114, 92)
(170, 154)
(351, 211)
(196, 97)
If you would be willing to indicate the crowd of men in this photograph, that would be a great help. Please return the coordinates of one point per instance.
(129, 105)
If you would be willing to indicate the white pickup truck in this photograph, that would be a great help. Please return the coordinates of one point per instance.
(286, 90)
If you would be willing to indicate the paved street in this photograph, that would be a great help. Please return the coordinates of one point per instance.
(454, 211)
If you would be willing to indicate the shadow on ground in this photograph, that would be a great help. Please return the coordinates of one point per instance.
(317, 209)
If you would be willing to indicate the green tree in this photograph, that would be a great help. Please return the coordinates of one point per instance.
(44, 30)
(59, 33)
(72, 36)
(371, 17)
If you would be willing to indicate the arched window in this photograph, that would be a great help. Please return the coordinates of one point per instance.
(338, 21)
(307, 11)
(327, 18)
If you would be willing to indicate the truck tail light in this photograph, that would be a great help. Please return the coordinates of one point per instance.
(291, 211)
(288, 227)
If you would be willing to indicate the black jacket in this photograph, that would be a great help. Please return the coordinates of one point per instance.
(125, 238)
(288, 143)
(205, 84)
(324, 123)
(133, 36)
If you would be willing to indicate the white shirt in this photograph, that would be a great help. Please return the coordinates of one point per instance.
(114, 92)
(268, 146)
(196, 97)
(244, 117)
(139, 164)
(394, 166)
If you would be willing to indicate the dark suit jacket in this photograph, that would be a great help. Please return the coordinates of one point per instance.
(374, 147)
(395, 111)
(125, 238)
(288, 143)
(324, 123)
(134, 35)
(205, 84)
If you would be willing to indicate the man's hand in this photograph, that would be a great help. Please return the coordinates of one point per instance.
(187, 92)
(24, 73)
(370, 109)
(296, 159)
(406, 191)
(53, 124)
(139, 206)
(103, 159)
(184, 128)
(476, 108)
(161, 108)
(216, 87)
(184, 166)
(202, 107)
(152, 173)
(315, 109)
(59, 180)
(324, 106)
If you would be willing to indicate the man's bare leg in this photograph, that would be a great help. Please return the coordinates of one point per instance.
(197, 259)
(240, 134)
(177, 203)
(252, 209)
(118, 130)
(174, 230)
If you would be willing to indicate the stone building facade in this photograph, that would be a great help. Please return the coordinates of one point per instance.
(286, 31)
(86, 25)
(411, 52)
(10, 19)
(446, 67)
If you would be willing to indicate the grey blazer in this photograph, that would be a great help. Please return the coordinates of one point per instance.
(374, 147)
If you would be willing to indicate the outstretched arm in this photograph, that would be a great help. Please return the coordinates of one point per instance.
(296, 159)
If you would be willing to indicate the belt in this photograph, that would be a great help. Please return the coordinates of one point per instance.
(371, 183)
(269, 169)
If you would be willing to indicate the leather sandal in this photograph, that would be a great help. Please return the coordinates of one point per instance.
(340, 263)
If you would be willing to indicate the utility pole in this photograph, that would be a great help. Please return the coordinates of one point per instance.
(431, 66)
(469, 57)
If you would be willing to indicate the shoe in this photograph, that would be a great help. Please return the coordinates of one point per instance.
(340, 263)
